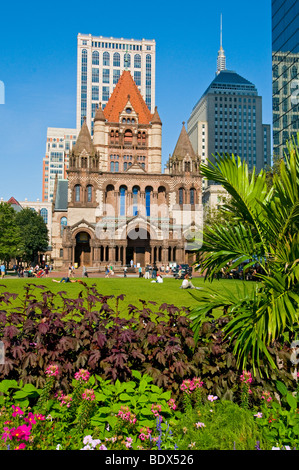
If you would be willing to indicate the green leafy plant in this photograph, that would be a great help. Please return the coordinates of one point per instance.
(263, 231)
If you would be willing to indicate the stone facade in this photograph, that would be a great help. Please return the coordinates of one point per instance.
(117, 205)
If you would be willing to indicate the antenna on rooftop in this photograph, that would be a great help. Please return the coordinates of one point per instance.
(221, 60)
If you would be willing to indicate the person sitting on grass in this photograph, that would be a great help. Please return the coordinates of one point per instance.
(187, 284)
(159, 279)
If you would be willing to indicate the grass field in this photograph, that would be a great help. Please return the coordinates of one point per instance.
(134, 289)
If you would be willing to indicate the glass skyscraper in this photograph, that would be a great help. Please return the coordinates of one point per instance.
(285, 68)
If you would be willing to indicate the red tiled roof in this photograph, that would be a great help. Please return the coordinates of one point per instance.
(12, 200)
(119, 98)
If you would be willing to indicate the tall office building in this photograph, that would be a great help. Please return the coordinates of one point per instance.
(285, 65)
(59, 143)
(228, 119)
(100, 63)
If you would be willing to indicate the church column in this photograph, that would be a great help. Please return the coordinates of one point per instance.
(142, 208)
(112, 253)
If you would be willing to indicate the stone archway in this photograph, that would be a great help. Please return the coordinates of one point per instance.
(138, 246)
(82, 249)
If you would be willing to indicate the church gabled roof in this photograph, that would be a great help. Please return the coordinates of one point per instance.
(84, 142)
(126, 89)
(183, 146)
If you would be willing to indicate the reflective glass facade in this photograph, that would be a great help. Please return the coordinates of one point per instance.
(285, 73)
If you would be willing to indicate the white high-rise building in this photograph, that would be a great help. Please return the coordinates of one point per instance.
(100, 63)
(59, 143)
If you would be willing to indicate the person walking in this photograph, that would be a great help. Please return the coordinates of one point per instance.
(84, 272)
(140, 271)
(125, 271)
(2, 269)
(146, 274)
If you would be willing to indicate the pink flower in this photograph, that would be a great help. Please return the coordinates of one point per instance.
(259, 415)
(156, 409)
(6, 435)
(246, 377)
(212, 398)
(21, 432)
(189, 385)
(64, 399)
(82, 375)
(171, 404)
(144, 433)
(129, 441)
(200, 425)
(266, 396)
(17, 411)
(88, 395)
(39, 417)
(52, 370)
(30, 419)
(197, 383)
(125, 414)
(21, 446)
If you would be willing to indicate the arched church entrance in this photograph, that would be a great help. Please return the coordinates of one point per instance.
(138, 247)
(82, 249)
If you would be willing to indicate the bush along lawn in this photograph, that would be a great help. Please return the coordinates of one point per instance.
(79, 376)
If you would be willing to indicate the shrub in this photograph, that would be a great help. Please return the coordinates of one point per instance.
(88, 333)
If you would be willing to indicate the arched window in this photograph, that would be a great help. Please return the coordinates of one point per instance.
(135, 200)
(122, 200)
(148, 191)
(116, 59)
(192, 196)
(106, 58)
(89, 193)
(77, 193)
(44, 214)
(127, 60)
(84, 57)
(63, 223)
(95, 58)
(181, 196)
(137, 61)
(128, 137)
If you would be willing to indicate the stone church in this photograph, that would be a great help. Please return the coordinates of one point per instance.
(116, 204)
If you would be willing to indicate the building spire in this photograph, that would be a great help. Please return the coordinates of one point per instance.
(221, 59)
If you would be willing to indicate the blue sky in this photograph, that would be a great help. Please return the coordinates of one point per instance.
(38, 60)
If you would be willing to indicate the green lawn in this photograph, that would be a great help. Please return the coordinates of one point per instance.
(135, 289)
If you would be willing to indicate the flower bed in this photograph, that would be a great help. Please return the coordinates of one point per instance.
(138, 415)
(80, 376)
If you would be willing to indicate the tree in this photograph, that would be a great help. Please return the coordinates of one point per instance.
(10, 236)
(34, 234)
(263, 229)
